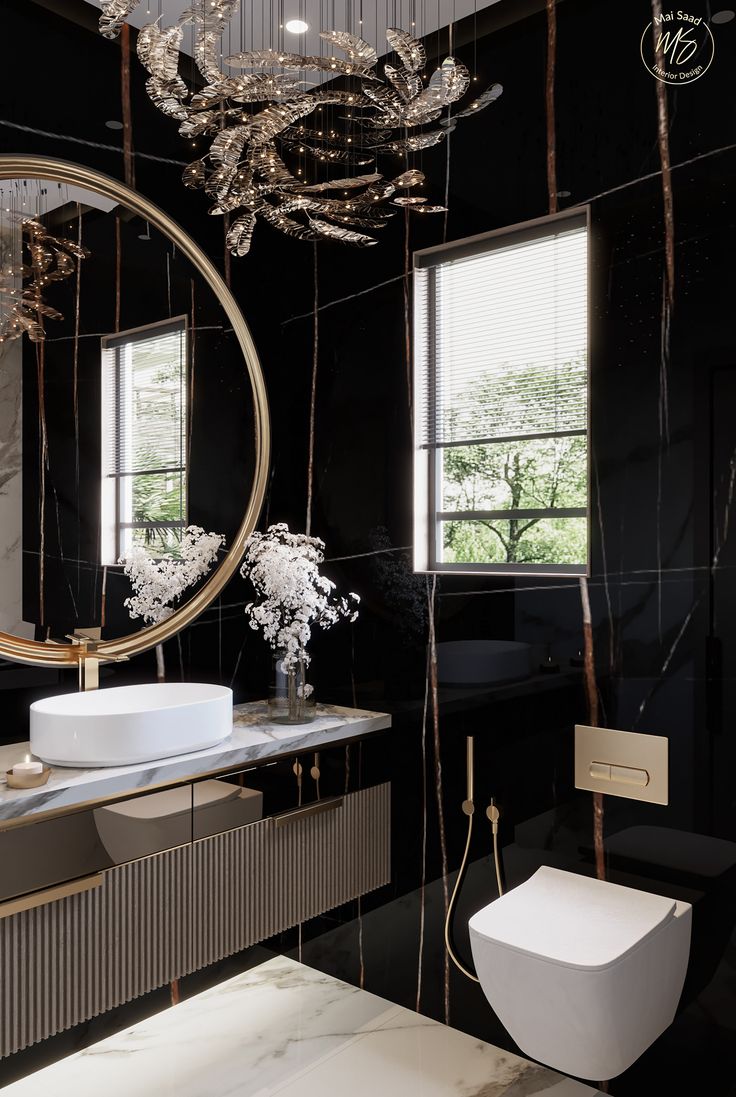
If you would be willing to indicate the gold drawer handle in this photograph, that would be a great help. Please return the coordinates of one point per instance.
(50, 895)
(293, 815)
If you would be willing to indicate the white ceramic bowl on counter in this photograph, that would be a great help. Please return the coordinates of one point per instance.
(123, 725)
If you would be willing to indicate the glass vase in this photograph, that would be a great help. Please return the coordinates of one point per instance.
(291, 698)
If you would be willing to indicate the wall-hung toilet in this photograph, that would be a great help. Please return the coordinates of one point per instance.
(583, 974)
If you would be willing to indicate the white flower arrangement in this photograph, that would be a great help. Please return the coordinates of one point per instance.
(159, 583)
(293, 596)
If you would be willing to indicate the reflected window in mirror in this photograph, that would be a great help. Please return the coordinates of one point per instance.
(500, 401)
(144, 439)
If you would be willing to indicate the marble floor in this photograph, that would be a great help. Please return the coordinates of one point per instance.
(284, 1028)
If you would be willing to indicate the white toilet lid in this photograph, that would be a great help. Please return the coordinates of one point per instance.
(572, 920)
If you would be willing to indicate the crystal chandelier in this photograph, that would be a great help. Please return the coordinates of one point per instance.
(245, 171)
(31, 259)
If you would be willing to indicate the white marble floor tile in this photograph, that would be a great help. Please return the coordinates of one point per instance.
(283, 1028)
(402, 1054)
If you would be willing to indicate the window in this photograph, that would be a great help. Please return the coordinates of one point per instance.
(144, 416)
(500, 386)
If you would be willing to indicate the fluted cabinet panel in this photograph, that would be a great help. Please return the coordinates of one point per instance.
(254, 882)
(162, 917)
(69, 960)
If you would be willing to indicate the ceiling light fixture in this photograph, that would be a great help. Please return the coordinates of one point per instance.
(297, 26)
(32, 258)
(255, 120)
(114, 125)
(723, 16)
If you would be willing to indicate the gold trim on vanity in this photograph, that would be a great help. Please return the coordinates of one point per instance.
(62, 655)
(50, 895)
(319, 807)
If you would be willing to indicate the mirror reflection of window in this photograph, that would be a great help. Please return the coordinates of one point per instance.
(144, 432)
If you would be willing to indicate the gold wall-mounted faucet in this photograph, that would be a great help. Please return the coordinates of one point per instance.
(88, 659)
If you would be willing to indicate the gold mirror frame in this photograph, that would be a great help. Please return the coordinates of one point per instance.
(59, 655)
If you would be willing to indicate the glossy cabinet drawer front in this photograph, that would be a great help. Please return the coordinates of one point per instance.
(38, 855)
(41, 854)
(247, 796)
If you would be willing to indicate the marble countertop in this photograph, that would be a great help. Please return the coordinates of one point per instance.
(283, 1028)
(253, 740)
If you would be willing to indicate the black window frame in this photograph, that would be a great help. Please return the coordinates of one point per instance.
(428, 515)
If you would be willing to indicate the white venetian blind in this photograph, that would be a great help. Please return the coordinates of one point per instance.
(144, 400)
(501, 338)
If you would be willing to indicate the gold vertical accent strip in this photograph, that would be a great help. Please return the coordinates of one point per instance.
(663, 141)
(550, 104)
(75, 396)
(227, 255)
(43, 457)
(407, 307)
(313, 394)
(434, 693)
(117, 271)
(591, 692)
(423, 875)
(128, 160)
(191, 348)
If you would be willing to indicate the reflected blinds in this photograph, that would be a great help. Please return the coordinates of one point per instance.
(501, 338)
(145, 400)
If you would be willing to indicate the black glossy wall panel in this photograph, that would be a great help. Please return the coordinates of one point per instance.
(662, 519)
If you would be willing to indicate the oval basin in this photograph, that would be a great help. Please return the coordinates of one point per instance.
(127, 724)
(481, 662)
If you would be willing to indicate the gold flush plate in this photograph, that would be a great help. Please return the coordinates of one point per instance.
(622, 763)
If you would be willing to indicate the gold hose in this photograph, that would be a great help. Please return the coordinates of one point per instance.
(493, 815)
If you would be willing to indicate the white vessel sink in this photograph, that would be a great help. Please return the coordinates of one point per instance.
(128, 724)
(481, 662)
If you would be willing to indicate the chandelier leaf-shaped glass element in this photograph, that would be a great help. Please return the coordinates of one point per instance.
(260, 118)
(26, 271)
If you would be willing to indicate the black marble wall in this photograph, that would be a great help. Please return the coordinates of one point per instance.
(663, 472)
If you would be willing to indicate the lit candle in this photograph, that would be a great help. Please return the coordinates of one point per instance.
(25, 769)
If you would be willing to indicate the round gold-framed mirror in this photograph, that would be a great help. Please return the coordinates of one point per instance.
(75, 177)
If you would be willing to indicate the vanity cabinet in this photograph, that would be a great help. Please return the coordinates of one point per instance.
(44, 853)
(143, 891)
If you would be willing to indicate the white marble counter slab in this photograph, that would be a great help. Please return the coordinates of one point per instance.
(283, 1028)
(253, 740)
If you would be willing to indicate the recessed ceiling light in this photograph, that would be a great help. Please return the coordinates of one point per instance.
(113, 125)
(297, 26)
(563, 193)
(723, 16)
